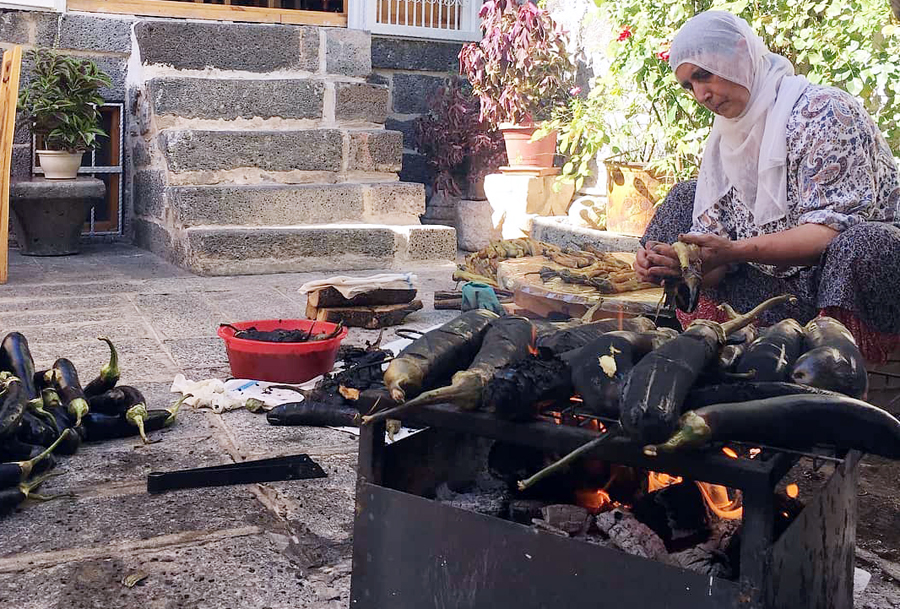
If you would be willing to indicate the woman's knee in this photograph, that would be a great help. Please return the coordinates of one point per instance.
(674, 215)
(864, 240)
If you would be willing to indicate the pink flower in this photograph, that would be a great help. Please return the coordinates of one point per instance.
(625, 34)
(664, 53)
(574, 90)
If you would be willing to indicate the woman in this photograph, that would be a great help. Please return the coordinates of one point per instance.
(798, 191)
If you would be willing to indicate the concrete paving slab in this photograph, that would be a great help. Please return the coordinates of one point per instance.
(77, 332)
(22, 320)
(95, 519)
(206, 352)
(179, 315)
(324, 505)
(239, 305)
(246, 571)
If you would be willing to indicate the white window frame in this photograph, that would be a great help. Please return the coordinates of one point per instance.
(363, 15)
(57, 6)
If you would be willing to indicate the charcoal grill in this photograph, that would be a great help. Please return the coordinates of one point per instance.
(413, 552)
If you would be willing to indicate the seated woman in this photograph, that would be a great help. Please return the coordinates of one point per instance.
(798, 192)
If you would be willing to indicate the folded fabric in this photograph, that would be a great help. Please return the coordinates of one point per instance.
(351, 286)
(209, 393)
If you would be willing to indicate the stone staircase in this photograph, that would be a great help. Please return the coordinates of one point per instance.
(261, 148)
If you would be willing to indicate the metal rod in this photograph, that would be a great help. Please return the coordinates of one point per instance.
(789, 451)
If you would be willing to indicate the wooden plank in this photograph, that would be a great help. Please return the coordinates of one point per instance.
(9, 91)
(330, 297)
(192, 10)
(370, 318)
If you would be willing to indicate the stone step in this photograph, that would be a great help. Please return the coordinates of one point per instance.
(368, 150)
(246, 250)
(254, 47)
(563, 231)
(287, 204)
(288, 98)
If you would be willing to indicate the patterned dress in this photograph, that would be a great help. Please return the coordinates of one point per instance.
(841, 174)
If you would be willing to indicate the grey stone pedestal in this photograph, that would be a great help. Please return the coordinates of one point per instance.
(50, 214)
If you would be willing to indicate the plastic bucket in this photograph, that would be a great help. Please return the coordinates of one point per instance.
(281, 362)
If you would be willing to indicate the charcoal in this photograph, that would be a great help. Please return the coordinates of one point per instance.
(631, 535)
(543, 525)
(676, 513)
(703, 560)
(524, 511)
(489, 501)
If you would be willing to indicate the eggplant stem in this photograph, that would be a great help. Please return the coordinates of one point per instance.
(693, 433)
(173, 410)
(435, 396)
(110, 372)
(136, 416)
(335, 332)
(733, 325)
(562, 463)
(78, 407)
(28, 466)
(27, 487)
(37, 497)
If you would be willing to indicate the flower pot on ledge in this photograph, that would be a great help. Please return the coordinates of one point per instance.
(632, 197)
(59, 164)
(523, 154)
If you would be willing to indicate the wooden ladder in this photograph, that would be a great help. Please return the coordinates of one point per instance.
(9, 92)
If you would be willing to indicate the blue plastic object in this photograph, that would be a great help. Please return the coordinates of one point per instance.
(480, 296)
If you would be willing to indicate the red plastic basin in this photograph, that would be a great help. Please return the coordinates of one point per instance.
(281, 362)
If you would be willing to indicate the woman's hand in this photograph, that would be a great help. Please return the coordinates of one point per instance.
(656, 261)
(715, 251)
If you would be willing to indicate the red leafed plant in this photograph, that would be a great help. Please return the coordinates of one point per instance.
(520, 70)
(455, 141)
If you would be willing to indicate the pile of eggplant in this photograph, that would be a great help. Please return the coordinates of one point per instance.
(48, 412)
(787, 386)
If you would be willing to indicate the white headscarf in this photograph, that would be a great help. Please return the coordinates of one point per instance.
(748, 153)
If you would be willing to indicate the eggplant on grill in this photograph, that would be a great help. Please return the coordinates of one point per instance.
(832, 359)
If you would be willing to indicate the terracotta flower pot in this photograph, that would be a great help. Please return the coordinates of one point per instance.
(59, 164)
(522, 152)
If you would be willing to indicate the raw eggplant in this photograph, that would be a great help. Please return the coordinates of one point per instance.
(654, 393)
(14, 450)
(793, 422)
(10, 498)
(109, 373)
(33, 430)
(832, 359)
(507, 341)
(11, 474)
(137, 420)
(110, 402)
(684, 292)
(313, 414)
(65, 380)
(437, 354)
(771, 357)
(746, 391)
(12, 406)
(599, 368)
(16, 358)
(50, 398)
(580, 335)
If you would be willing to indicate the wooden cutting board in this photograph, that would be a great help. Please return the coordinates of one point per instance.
(519, 275)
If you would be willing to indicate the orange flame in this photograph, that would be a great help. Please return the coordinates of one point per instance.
(716, 497)
(658, 480)
(593, 500)
(792, 491)
(729, 452)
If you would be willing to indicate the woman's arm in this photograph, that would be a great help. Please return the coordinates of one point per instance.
(799, 246)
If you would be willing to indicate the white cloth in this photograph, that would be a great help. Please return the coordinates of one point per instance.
(351, 286)
(748, 153)
(209, 393)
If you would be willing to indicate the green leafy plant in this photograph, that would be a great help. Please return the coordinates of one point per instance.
(61, 101)
(640, 112)
(520, 70)
(455, 141)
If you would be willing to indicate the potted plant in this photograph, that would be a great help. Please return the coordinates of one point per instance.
(60, 104)
(460, 146)
(520, 71)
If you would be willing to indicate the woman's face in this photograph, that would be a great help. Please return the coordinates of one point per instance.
(723, 97)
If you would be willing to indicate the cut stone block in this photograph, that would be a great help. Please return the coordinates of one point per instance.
(217, 98)
(348, 52)
(361, 102)
(411, 92)
(474, 228)
(111, 34)
(517, 199)
(307, 149)
(394, 53)
(287, 204)
(375, 150)
(430, 243)
(195, 45)
(563, 232)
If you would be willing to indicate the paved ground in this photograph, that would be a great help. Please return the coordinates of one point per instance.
(279, 545)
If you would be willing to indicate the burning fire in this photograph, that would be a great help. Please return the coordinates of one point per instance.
(593, 500)
(658, 480)
(730, 452)
(792, 490)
